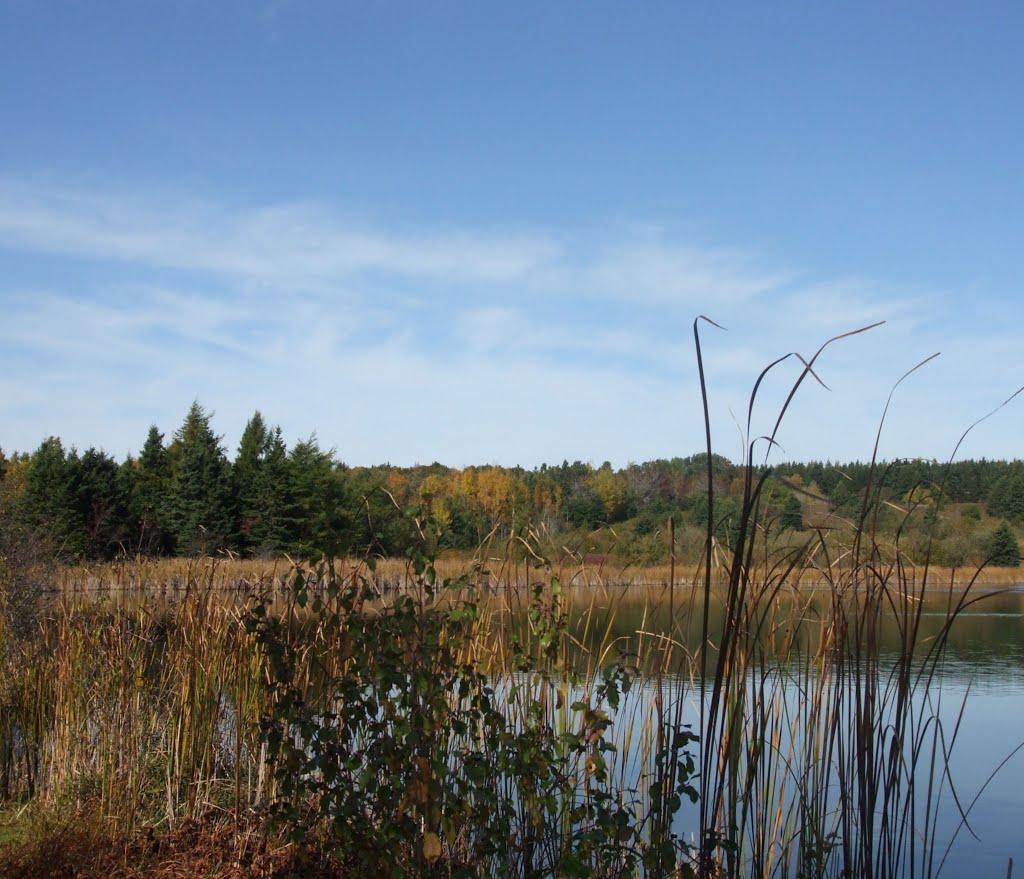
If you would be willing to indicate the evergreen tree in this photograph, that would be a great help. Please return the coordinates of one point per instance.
(101, 504)
(320, 518)
(261, 483)
(1006, 497)
(200, 508)
(253, 445)
(792, 515)
(584, 508)
(246, 475)
(47, 505)
(153, 458)
(378, 526)
(1004, 548)
(151, 483)
(271, 532)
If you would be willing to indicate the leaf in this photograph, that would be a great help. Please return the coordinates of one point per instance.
(431, 847)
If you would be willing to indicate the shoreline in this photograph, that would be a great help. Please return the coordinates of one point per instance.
(241, 575)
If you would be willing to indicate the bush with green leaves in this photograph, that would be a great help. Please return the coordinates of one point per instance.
(389, 740)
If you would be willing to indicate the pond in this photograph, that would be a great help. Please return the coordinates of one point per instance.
(982, 673)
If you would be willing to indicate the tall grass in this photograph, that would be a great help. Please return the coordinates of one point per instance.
(144, 712)
(823, 753)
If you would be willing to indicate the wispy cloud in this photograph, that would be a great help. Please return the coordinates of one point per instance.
(303, 246)
(415, 345)
(300, 246)
(660, 273)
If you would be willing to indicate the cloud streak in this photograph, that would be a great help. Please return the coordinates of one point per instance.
(430, 344)
(304, 246)
(280, 245)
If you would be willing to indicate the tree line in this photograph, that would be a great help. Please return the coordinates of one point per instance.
(185, 496)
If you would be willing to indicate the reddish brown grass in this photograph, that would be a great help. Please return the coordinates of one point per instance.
(78, 849)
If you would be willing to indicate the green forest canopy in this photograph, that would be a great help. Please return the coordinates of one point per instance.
(185, 496)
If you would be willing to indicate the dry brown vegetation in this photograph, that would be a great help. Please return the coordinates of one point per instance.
(80, 848)
(156, 577)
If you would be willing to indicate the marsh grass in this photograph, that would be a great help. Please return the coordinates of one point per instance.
(821, 750)
(146, 714)
(823, 753)
(154, 579)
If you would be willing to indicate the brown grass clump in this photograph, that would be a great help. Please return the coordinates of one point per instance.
(77, 848)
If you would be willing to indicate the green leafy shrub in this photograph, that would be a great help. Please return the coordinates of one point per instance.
(388, 737)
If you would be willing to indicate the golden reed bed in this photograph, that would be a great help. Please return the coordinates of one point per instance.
(231, 573)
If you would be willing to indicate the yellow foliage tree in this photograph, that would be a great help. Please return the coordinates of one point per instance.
(610, 487)
(434, 492)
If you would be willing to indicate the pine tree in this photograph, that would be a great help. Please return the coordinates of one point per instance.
(261, 483)
(1004, 548)
(320, 521)
(151, 478)
(200, 509)
(47, 505)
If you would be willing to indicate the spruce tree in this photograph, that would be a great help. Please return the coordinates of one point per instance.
(246, 474)
(47, 504)
(200, 509)
(261, 483)
(151, 478)
(101, 498)
(1004, 548)
(319, 517)
(153, 458)
(270, 533)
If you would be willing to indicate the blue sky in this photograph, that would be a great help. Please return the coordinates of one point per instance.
(479, 232)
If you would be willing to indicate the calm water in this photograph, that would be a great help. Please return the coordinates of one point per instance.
(984, 665)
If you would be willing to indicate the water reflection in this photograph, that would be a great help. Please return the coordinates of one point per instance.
(985, 640)
(982, 672)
